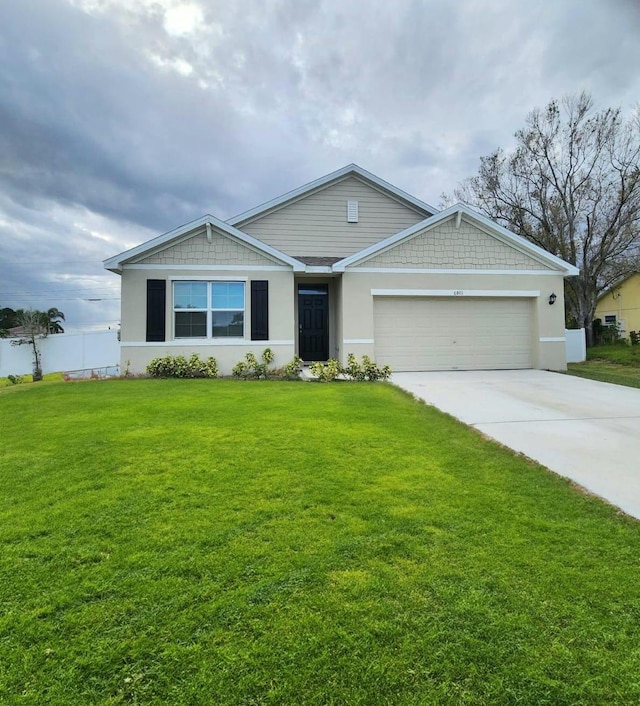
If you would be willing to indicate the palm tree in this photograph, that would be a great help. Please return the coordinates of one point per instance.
(53, 317)
(33, 326)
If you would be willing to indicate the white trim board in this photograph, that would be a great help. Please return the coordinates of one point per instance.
(552, 339)
(212, 268)
(356, 341)
(213, 342)
(433, 271)
(458, 293)
(206, 278)
(318, 269)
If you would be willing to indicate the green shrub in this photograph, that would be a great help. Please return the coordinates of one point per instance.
(239, 370)
(291, 371)
(250, 368)
(373, 372)
(366, 371)
(15, 379)
(353, 370)
(326, 372)
(634, 336)
(179, 367)
(606, 334)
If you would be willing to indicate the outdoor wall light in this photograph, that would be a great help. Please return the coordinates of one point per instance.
(552, 299)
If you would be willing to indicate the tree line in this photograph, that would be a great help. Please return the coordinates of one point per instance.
(48, 320)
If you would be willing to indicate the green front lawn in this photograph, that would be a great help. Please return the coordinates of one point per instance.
(606, 372)
(619, 353)
(220, 542)
(28, 380)
(616, 363)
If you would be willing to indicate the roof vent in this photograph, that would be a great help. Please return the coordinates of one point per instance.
(352, 211)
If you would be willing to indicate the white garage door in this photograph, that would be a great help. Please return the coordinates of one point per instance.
(453, 333)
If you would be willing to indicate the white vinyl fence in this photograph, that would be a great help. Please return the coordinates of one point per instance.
(576, 345)
(62, 352)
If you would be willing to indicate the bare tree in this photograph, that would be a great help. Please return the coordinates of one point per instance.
(571, 186)
(33, 327)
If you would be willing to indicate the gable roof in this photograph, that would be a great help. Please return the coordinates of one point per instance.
(505, 235)
(323, 182)
(116, 262)
(617, 285)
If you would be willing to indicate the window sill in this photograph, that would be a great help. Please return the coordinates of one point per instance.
(212, 342)
(222, 341)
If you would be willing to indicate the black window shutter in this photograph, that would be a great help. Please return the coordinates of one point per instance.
(259, 310)
(156, 309)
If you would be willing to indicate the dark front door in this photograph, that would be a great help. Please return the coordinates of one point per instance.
(313, 321)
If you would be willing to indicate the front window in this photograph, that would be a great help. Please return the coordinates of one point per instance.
(227, 309)
(208, 309)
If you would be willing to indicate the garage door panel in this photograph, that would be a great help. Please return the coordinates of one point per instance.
(421, 333)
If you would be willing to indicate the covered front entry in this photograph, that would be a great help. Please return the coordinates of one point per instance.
(453, 333)
(313, 322)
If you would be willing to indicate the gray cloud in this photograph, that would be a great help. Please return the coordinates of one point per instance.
(120, 120)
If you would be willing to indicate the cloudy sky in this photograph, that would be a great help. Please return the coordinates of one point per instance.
(122, 119)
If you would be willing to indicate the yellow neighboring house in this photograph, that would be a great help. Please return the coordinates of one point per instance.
(621, 305)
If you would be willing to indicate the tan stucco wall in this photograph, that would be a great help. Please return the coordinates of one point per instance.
(548, 321)
(134, 312)
(196, 250)
(136, 358)
(624, 302)
(351, 313)
(446, 246)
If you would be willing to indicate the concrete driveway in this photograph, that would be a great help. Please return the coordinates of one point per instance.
(585, 430)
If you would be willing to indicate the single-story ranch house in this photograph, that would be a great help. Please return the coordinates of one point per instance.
(346, 264)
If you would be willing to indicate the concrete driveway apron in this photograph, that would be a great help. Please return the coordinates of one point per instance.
(584, 430)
